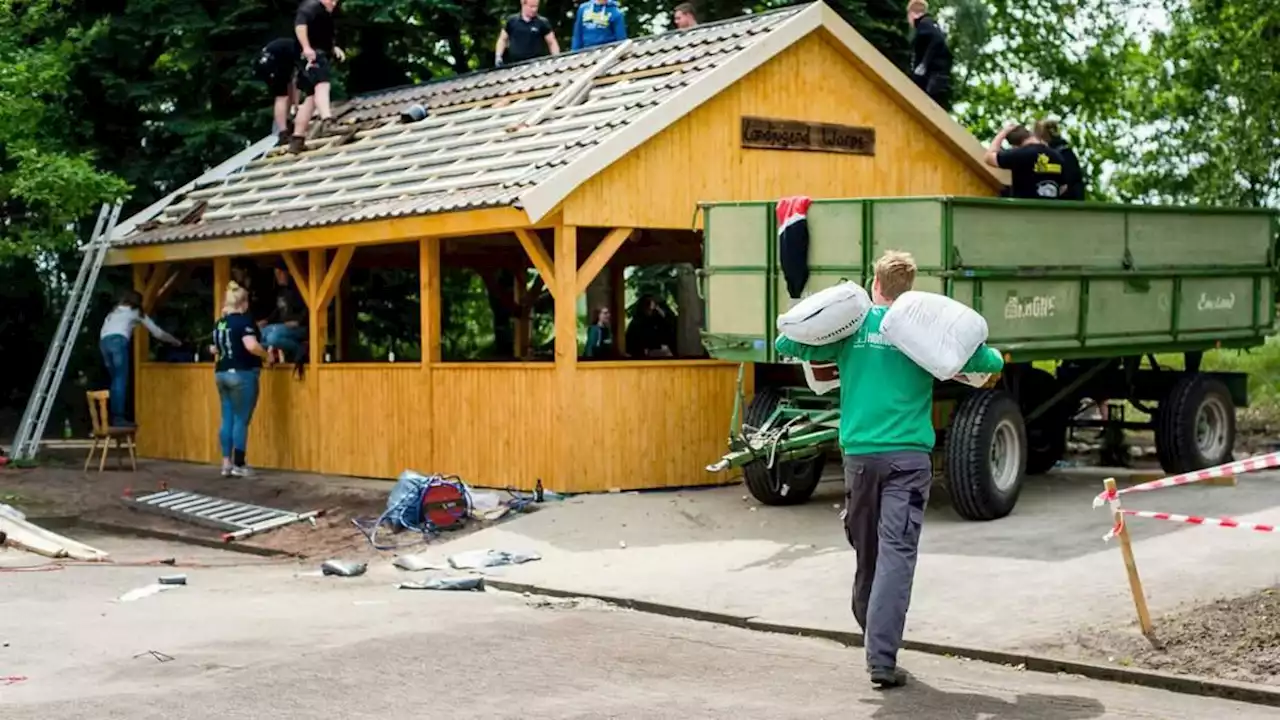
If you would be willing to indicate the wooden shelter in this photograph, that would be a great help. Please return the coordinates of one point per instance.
(576, 165)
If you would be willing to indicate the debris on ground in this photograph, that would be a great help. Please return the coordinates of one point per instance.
(446, 583)
(12, 679)
(146, 591)
(156, 654)
(426, 504)
(172, 580)
(23, 534)
(416, 563)
(1231, 639)
(476, 559)
(238, 520)
(343, 569)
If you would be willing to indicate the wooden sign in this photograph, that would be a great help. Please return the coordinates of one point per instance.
(770, 134)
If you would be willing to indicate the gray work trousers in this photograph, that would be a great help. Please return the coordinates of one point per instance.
(885, 497)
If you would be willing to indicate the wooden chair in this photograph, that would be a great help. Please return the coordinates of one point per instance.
(100, 415)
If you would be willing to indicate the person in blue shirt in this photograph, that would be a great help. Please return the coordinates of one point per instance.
(236, 371)
(599, 22)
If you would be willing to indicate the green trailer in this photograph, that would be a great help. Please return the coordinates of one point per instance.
(1094, 291)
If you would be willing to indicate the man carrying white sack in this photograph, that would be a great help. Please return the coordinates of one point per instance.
(886, 435)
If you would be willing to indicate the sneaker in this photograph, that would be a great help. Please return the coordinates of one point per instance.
(226, 471)
(886, 677)
(297, 144)
(241, 471)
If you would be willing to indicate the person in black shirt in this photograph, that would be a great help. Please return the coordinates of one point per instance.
(313, 26)
(287, 324)
(525, 36)
(1072, 176)
(1036, 167)
(275, 67)
(238, 361)
(930, 56)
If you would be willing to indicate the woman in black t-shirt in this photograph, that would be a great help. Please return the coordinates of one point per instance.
(237, 367)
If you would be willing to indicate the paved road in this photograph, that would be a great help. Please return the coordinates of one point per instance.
(280, 642)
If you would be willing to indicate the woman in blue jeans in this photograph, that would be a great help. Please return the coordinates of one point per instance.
(236, 373)
(113, 341)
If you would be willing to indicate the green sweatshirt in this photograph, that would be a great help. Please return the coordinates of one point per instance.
(886, 400)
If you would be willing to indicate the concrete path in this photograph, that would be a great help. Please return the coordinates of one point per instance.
(280, 642)
(1010, 584)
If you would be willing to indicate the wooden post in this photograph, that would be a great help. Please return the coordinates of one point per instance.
(317, 316)
(523, 329)
(1130, 565)
(566, 323)
(430, 320)
(619, 308)
(221, 276)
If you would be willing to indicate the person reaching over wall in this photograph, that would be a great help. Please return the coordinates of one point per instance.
(237, 368)
(930, 56)
(313, 26)
(598, 22)
(1072, 177)
(525, 36)
(886, 435)
(286, 326)
(1036, 168)
(113, 341)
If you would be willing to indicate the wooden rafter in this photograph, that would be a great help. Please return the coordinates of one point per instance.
(153, 283)
(601, 256)
(538, 256)
(333, 276)
(299, 278)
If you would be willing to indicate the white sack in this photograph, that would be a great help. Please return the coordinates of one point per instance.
(939, 334)
(826, 316)
(829, 380)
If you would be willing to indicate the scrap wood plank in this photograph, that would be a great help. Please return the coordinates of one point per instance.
(28, 536)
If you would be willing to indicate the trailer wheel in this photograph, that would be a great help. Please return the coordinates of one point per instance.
(788, 482)
(1195, 425)
(1047, 434)
(986, 455)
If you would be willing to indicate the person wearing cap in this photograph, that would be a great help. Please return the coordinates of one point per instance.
(286, 326)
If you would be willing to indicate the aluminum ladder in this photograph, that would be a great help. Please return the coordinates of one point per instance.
(26, 444)
(239, 520)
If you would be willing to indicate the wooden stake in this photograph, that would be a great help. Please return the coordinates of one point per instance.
(1130, 565)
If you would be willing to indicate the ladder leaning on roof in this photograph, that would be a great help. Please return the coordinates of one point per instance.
(27, 442)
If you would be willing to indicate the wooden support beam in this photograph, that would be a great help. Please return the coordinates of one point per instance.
(619, 308)
(333, 277)
(523, 305)
(429, 299)
(141, 276)
(566, 352)
(221, 278)
(601, 256)
(317, 318)
(152, 288)
(538, 256)
(300, 280)
(175, 281)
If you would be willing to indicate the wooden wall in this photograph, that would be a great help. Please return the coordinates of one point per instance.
(635, 425)
(699, 158)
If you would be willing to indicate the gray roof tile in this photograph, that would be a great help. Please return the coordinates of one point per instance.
(462, 156)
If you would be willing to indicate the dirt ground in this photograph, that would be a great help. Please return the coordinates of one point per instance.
(1231, 639)
(60, 489)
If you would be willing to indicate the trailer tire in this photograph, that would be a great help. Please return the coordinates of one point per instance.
(1047, 434)
(788, 482)
(982, 485)
(1195, 425)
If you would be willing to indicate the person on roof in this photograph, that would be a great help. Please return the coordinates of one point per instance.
(1072, 177)
(684, 16)
(275, 66)
(598, 22)
(313, 26)
(525, 36)
(113, 341)
(1036, 168)
(930, 56)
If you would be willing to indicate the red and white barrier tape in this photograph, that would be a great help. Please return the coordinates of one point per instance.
(1239, 467)
(1192, 520)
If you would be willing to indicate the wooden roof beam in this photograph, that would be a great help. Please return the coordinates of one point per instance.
(601, 256)
(538, 255)
(299, 279)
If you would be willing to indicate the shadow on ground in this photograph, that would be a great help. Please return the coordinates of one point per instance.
(905, 703)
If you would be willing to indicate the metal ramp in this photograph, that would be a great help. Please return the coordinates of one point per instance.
(238, 520)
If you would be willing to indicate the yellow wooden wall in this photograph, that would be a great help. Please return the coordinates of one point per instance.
(634, 425)
(699, 157)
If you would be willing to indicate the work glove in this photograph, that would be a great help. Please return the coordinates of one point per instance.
(919, 71)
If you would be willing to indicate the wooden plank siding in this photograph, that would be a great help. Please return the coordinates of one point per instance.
(631, 425)
(699, 158)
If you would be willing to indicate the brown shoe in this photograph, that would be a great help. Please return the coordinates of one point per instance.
(283, 138)
(297, 144)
